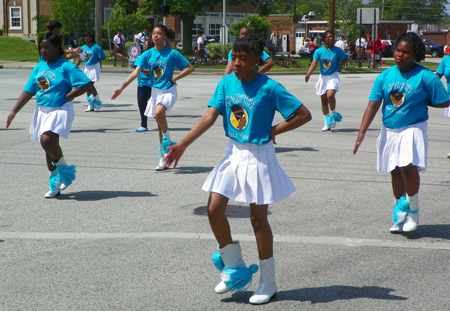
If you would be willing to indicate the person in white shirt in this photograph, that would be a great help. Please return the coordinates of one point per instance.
(360, 45)
(119, 46)
(341, 43)
(141, 37)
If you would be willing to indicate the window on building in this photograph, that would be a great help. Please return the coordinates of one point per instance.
(91, 22)
(195, 29)
(15, 18)
(107, 13)
(214, 29)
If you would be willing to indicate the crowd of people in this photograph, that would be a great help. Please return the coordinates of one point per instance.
(247, 101)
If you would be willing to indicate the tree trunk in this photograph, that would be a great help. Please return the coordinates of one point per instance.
(188, 24)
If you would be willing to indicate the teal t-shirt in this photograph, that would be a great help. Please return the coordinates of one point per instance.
(161, 64)
(329, 59)
(51, 82)
(405, 96)
(94, 54)
(444, 70)
(248, 108)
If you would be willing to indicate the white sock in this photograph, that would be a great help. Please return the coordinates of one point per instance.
(167, 135)
(97, 98)
(53, 173)
(413, 202)
(62, 162)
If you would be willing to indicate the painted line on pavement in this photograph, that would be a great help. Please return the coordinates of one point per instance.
(210, 236)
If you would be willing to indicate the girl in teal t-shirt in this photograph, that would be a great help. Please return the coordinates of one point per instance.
(55, 82)
(404, 92)
(91, 57)
(249, 172)
(161, 62)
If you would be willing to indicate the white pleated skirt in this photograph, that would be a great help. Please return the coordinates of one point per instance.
(92, 72)
(447, 112)
(167, 98)
(326, 83)
(250, 173)
(401, 147)
(57, 120)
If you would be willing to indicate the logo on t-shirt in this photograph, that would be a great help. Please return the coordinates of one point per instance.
(43, 84)
(397, 98)
(239, 117)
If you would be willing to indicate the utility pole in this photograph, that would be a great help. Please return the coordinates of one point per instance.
(332, 13)
(98, 22)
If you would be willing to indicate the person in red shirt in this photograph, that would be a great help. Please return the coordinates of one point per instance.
(375, 52)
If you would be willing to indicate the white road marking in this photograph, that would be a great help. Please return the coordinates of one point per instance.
(241, 237)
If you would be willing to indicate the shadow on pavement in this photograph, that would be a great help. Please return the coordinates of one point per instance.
(97, 195)
(192, 170)
(429, 231)
(287, 149)
(100, 130)
(325, 294)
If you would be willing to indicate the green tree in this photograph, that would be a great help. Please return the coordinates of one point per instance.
(127, 17)
(74, 15)
(187, 10)
(422, 12)
(260, 26)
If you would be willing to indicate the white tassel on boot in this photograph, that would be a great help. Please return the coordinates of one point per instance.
(231, 255)
(412, 218)
(267, 288)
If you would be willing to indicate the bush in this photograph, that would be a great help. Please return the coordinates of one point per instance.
(216, 51)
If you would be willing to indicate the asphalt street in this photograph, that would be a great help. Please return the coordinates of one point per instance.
(124, 237)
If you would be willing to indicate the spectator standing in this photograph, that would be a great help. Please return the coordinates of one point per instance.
(375, 52)
(119, 46)
(341, 43)
(312, 49)
(141, 37)
(200, 52)
(360, 45)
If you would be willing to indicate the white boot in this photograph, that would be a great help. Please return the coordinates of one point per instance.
(231, 256)
(412, 218)
(267, 287)
(161, 165)
(54, 184)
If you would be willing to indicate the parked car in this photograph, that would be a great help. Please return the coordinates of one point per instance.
(209, 39)
(271, 47)
(387, 48)
(435, 50)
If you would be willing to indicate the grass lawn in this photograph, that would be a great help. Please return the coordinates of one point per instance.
(19, 50)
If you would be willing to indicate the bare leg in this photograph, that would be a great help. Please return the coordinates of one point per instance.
(398, 188)
(50, 143)
(331, 96)
(160, 117)
(411, 179)
(262, 230)
(324, 102)
(220, 227)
